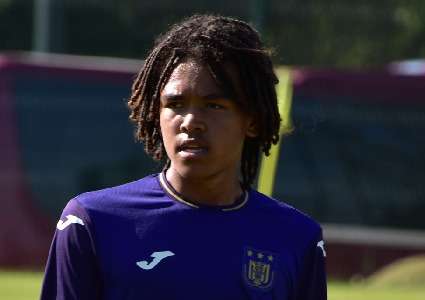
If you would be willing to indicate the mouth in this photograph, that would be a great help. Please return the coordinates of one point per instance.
(192, 149)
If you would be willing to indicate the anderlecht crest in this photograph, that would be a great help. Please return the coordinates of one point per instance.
(259, 268)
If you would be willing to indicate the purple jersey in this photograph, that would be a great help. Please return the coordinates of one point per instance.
(141, 241)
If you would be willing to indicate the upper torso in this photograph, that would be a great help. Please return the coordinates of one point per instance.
(149, 245)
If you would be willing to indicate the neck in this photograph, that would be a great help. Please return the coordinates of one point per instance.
(213, 191)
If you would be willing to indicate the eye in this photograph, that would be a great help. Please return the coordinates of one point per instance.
(174, 104)
(214, 105)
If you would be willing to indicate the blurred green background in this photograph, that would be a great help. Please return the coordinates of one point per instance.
(331, 33)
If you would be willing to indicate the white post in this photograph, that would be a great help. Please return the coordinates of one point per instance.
(41, 33)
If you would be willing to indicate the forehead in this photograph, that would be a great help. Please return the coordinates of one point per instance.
(190, 71)
(197, 76)
(190, 75)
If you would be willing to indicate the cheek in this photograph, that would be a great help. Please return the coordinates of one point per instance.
(165, 120)
(233, 135)
(169, 125)
(242, 127)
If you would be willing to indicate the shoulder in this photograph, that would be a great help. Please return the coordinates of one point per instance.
(117, 196)
(286, 216)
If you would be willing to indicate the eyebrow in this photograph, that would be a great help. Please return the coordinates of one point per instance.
(212, 96)
(217, 96)
(172, 97)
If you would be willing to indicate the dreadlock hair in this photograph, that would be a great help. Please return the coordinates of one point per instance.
(214, 41)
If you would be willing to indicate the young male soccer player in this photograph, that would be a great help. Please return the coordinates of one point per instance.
(205, 103)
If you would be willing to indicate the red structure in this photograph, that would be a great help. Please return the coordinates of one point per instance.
(360, 251)
(26, 228)
(24, 231)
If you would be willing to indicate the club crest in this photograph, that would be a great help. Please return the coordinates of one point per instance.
(258, 268)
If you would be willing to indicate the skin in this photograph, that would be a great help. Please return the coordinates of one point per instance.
(203, 131)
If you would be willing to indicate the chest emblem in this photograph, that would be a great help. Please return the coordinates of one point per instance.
(258, 268)
(157, 257)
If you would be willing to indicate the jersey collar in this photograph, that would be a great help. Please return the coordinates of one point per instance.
(239, 203)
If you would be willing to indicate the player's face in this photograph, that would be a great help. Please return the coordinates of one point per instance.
(203, 129)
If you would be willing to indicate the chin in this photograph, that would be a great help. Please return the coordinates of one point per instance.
(193, 171)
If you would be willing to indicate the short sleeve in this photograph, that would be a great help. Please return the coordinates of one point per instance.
(312, 283)
(72, 270)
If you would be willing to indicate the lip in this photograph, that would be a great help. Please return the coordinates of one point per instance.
(192, 148)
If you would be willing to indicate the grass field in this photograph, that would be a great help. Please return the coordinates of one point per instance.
(361, 291)
(20, 285)
(26, 286)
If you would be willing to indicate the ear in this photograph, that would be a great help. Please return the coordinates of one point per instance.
(252, 128)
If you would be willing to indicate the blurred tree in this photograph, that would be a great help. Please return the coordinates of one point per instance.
(15, 24)
(335, 33)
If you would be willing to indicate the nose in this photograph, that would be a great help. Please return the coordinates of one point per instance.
(192, 122)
